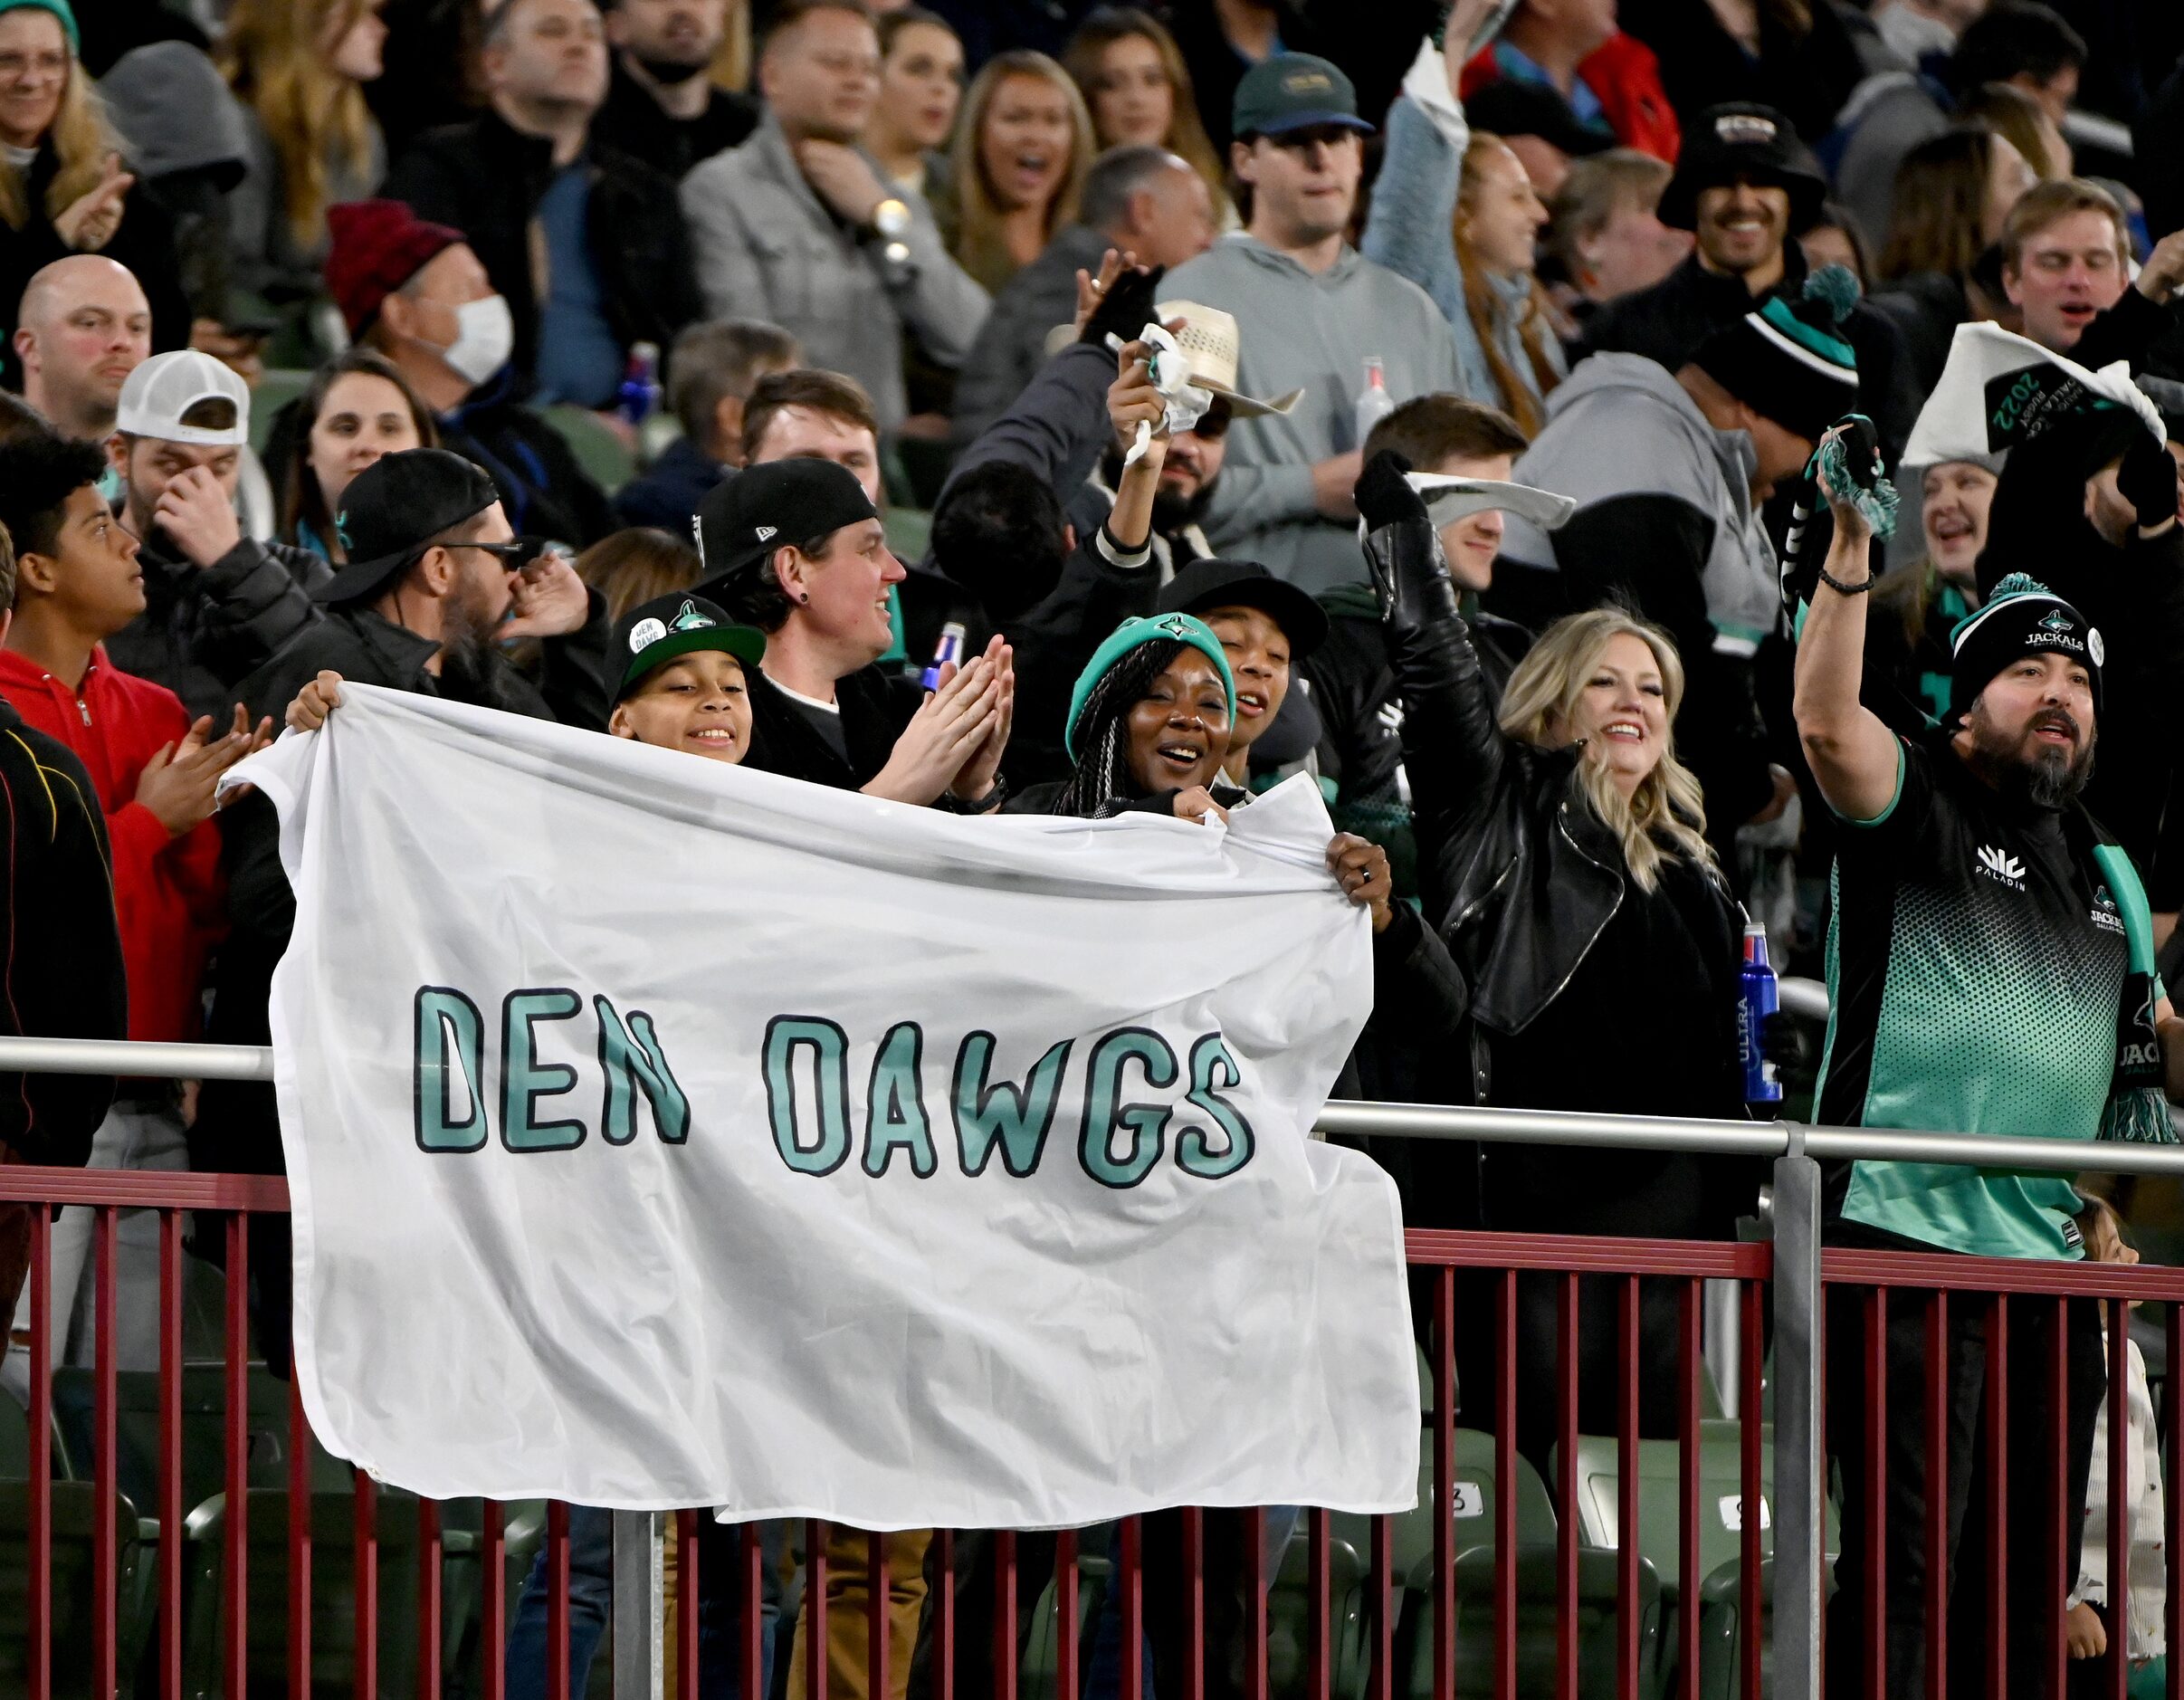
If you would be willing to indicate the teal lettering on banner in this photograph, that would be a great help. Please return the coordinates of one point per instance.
(827, 1149)
(449, 1046)
(1105, 1113)
(524, 1080)
(1212, 1071)
(894, 1107)
(1014, 1120)
(632, 1067)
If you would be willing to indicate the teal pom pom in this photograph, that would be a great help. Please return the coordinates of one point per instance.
(1877, 506)
(2018, 585)
(1837, 286)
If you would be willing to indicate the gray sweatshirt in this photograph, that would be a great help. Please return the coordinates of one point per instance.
(1311, 332)
(1621, 425)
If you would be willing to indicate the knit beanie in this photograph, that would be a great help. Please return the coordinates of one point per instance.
(1787, 360)
(2022, 618)
(1160, 628)
(59, 9)
(375, 247)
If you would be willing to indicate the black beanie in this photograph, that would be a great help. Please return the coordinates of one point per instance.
(1787, 360)
(2023, 617)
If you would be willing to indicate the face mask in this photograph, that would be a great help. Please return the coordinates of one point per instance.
(485, 336)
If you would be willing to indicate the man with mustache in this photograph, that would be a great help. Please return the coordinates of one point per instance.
(1990, 966)
(661, 105)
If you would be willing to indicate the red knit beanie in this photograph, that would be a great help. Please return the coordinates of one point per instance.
(377, 246)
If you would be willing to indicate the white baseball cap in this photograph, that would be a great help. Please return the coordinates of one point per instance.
(162, 389)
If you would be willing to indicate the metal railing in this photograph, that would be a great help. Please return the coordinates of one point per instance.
(1793, 1263)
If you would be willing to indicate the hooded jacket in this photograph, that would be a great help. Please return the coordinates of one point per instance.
(1664, 524)
(1312, 331)
(167, 890)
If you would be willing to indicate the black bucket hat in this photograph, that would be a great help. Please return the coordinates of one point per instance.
(1743, 140)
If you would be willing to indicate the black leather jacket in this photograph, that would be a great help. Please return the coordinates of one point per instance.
(1522, 876)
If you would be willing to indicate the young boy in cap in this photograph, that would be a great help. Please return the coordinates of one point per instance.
(218, 603)
(677, 669)
(795, 548)
(151, 775)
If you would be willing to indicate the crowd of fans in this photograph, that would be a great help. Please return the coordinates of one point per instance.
(1488, 411)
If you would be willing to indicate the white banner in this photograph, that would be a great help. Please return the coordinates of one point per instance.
(664, 1134)
(2001, 389)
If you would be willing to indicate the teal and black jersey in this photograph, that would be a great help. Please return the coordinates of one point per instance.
(1975, 963)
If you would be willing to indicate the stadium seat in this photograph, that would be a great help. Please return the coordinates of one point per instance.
(204, 1431)
(274, 390)
(71, 1578)
(1289, 1619)
(1036, 1674)
(1475, 1484)
(599, 451)
(334, 1580)
(1660, 1486)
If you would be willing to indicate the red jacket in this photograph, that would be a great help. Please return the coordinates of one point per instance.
(168, 895)
(1625, 78)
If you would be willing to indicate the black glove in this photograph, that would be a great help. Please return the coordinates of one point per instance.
(1125, 309)
(1786, 1042)
(1384, 496)
(2148, 480)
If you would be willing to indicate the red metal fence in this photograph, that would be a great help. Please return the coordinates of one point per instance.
(1621, 1564)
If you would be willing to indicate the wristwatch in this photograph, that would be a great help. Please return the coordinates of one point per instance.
(891, 219)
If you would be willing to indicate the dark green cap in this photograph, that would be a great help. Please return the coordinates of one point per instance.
(1294, 91)
(654, 632)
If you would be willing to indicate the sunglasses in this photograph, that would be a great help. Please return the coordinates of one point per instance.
(516, 553)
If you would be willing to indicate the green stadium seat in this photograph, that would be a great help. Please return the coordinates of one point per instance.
(73, 1596)
(1289, 1619)
(1036, 1674)
(599, 451)
(1475, 1487)
(275, 389)
(1660, 1488)
(204, 1431)
(334, 1578)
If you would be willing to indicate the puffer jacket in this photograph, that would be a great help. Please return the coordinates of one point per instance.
(1518, 878)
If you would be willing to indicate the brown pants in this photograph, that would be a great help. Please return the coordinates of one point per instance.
(848, 1597)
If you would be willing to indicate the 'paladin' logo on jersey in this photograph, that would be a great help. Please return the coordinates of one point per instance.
(2000, 867)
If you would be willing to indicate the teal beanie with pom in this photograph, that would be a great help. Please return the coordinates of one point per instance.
(1788, 360)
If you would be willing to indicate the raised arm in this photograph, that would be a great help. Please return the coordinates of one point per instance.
(1853, 754)
(1452, 748)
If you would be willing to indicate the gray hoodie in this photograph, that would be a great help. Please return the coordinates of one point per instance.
(1312, 333)
(1622, 425)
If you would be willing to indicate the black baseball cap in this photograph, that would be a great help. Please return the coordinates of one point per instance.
(1290, 91)
(1215, 583)
(1513, 106)
(394, 508)
(753, 513)
(654, 632)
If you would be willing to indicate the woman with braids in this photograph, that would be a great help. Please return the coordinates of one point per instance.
(1563, 857)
